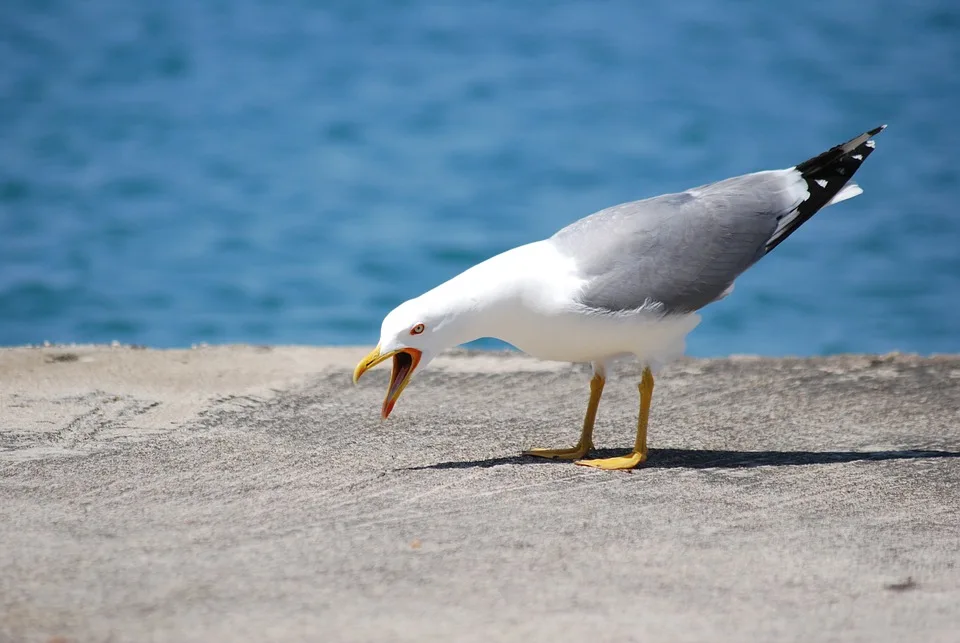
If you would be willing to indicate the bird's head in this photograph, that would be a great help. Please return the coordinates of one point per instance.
(412, 334)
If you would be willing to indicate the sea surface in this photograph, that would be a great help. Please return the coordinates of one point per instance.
(280, 171)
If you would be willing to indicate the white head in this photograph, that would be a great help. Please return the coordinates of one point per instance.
(413, 334)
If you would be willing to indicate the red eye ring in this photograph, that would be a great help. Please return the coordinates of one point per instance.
(416, 330)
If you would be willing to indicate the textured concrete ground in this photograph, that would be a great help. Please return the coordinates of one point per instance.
(252, 494)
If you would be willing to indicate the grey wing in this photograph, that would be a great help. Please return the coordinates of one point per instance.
(682, 250)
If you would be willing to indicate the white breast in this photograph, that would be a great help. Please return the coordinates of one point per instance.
(582, 337)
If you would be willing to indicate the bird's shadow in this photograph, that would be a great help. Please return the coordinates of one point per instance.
(708, 459)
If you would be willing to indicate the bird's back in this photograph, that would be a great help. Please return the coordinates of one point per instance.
(682, 251)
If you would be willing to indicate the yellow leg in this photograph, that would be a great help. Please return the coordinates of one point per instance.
(639, 453)
(586, 435)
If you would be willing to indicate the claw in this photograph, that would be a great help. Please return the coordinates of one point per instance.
(574, 453)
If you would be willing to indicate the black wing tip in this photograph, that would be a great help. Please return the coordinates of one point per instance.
(857, 141)
(826, 175)
(837, 152)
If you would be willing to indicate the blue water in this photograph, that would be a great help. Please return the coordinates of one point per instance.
(280, 171)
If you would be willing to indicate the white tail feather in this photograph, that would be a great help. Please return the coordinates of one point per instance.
(849, 191)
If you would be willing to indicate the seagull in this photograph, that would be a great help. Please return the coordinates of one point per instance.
(624, 281)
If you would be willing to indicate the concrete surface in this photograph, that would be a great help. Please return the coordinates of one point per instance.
(252, 494)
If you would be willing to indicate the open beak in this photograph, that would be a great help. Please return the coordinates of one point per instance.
(405, 361)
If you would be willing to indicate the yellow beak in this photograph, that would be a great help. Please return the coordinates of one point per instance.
(405, 361)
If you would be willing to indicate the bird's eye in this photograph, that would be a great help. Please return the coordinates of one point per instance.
(416, 330)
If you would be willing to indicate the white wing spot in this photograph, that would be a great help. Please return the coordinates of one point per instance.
(871, 144)
(859, 157)
(822, 183)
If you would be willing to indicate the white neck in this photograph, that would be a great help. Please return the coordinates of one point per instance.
(470, 304)
(500, 296)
